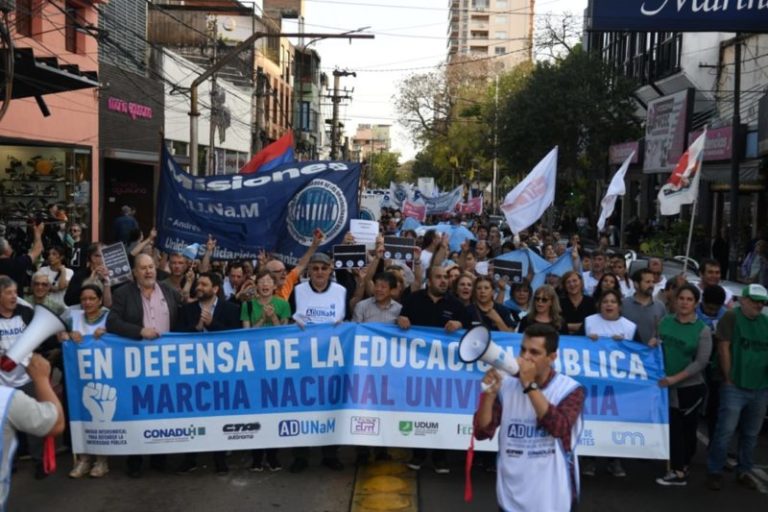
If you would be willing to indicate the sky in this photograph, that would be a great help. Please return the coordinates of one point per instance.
(410, 38)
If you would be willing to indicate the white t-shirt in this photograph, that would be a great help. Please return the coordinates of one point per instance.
(320, 308)
(590, 283)
(54, 276)
(426, 259)
(596, 324)
(81, 325)
(10, 330)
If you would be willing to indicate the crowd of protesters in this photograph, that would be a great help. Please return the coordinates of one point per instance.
(701, 327)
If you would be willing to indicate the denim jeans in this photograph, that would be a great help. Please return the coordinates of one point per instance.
(742, 408)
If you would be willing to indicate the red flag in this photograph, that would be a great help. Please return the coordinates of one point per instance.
(278, 153)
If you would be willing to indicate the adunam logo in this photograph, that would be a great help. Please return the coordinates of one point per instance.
(321, 204)
(366, 214)
(419, 428)
(364, 425)
(236, 431)
(292, 428)
(172, 435)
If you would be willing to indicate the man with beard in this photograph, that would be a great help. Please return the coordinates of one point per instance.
(209, 313)
(642, 308)
(433, 307)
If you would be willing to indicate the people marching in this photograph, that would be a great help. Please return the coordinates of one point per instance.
(712, 339)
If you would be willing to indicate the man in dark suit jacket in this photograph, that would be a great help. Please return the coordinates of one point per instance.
(126, 318)
(210, 313)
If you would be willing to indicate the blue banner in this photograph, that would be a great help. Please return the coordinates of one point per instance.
(276, 211)
(369, 384)
(678, 15)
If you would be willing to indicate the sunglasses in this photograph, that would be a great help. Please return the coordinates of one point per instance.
(541, 299)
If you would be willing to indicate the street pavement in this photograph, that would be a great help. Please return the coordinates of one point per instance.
(321, 490)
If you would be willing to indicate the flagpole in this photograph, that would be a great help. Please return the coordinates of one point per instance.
(690, 231)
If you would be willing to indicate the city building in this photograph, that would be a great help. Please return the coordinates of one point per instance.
(370, 139)
(499, 31)
(49, 135)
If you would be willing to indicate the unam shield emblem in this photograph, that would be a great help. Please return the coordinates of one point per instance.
(321, 204)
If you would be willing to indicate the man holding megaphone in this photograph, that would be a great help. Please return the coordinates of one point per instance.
(540, 415)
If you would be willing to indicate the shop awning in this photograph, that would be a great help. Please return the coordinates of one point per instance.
(38, 76)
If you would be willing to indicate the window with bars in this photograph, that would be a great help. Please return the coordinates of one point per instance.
(24, 15)
(73, 22)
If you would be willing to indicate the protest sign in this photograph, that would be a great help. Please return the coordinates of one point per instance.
(399, 248)
(364, 232)
(512, 270)
(353, 384)
(116, 261)
(349, 256)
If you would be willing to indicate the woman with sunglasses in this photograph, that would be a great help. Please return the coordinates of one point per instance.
(485, 311)
(575, 304)
(545, 309)
(687, 344)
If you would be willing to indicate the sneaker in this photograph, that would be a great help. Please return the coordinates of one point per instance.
(332, 463)
(714, 481)
(256, 467)
(415, 463)
(746, 480)
(588, 469)
(731, 463)
(273, 464)
(299, 464)
(81, 469)
(99, 469)
(441, 467)
(615, 468)
(672, 479)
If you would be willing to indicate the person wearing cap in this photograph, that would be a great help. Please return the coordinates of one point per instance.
(284, 280)
(742, 335)
(124, 224)
(318, 301)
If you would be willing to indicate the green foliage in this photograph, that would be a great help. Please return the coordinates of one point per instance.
(383, 168)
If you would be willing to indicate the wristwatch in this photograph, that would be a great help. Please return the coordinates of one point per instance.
(530, 387)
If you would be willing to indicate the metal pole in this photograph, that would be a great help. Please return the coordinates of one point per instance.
(733, 253)
(211, 124)
(194, 113)
(335, 117)
(495, 147)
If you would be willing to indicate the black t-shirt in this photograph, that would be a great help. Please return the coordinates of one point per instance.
(576, 315)
(420, 309)
(477, 317)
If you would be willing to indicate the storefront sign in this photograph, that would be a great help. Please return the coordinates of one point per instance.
(135, 110)
(665, 130)
(719, 143)
(678, 15)
(619, 152)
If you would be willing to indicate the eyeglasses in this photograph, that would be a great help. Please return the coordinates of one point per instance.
(542, 299)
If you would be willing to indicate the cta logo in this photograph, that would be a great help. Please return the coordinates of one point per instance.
(172, 435)
(235, 431)
(628, 438)
(419, 428)
(365, 426)
(293, 428)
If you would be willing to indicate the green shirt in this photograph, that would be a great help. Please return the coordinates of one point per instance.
(680, 342)
(749, 348)
(252, 311)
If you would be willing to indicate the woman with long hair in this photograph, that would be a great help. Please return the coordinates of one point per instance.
(687, 344)
(485, 311)
(575, 304)
(462, 288)
(545, 309)
(90, 319)
(606, 282)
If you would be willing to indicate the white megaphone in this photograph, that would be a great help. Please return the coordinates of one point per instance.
(476, 344)
(45, 323)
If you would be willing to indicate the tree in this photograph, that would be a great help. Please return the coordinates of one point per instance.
(578, 104)
(383, 168)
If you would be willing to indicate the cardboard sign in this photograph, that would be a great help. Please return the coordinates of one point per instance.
(349, 256)
(116, 261)
(399, 248)
(364, 231)
(512, 270)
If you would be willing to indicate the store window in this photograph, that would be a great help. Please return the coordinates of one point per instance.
(33, 178)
